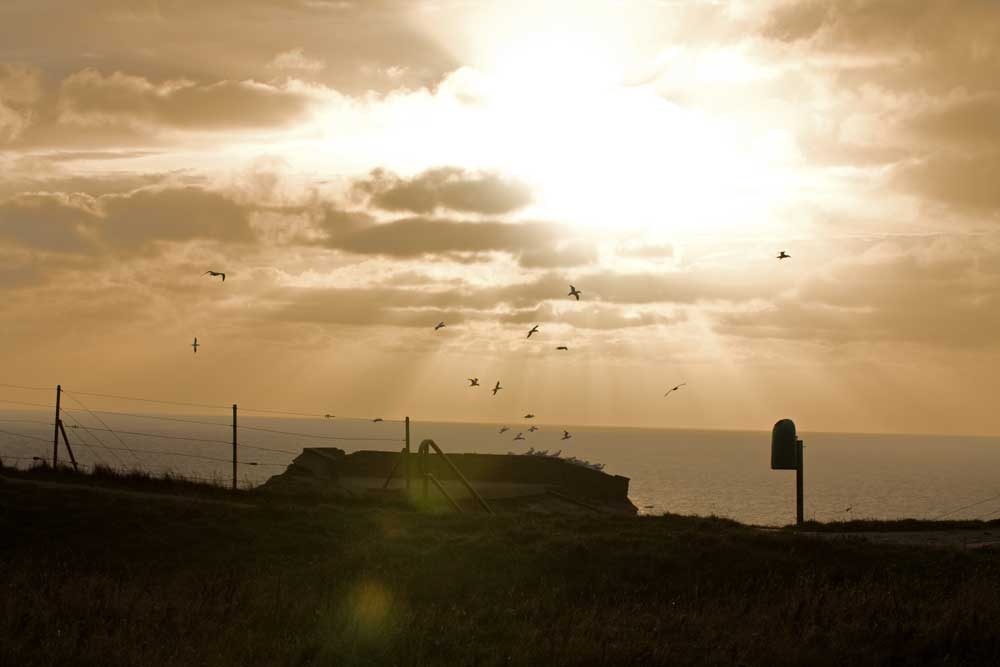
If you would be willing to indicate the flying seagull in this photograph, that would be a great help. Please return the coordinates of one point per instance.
(216, 274)
(566, 435)
(674, 389)
(519, 436)
(529, 416)
(784, 255)
(534, 329)
(562, 347)
(195, 345)
(473, 382)
(377, 419)
(497, 388)
(849, 508)
(328, 416)
(439, 325)
(532, 429)
(504, 429)
(574, 292)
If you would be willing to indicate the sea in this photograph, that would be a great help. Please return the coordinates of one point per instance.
(700, 472)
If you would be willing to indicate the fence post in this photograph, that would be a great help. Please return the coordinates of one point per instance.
(55, 430)
(407, 457)
(234, 446)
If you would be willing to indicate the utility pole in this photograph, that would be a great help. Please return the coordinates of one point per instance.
(234, 446)
(407, 455)
(55, 430)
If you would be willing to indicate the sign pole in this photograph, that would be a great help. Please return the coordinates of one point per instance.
(799, 500)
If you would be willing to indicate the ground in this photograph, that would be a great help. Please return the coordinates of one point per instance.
(133, 572)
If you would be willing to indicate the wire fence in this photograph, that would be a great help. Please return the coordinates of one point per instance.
(188, 446)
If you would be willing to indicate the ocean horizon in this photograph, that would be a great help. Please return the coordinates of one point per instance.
(724, 473)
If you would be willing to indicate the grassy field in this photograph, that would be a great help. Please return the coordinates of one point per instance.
(177, 575)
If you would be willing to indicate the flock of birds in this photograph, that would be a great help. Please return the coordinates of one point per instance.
(566, 435)
(474, 382)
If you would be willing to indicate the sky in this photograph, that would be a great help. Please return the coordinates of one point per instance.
(364, 170)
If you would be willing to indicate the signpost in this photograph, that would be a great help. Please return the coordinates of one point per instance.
(786, 454)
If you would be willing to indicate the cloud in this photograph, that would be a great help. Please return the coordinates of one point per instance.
(970, 122)
(533, 244)
(122, 223)
(296, 59)
(20, 89)
(89, 97)
(964, 182)
(445, 187)
(937, 44)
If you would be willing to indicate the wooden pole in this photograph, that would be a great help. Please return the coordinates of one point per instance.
(55, 434)
(406, 458)
(444, 492)
(234, 446)
(69, 449)
(799, 501)
(427, 444)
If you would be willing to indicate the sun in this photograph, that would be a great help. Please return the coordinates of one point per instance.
(606, 154)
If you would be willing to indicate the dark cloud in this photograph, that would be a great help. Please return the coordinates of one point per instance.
(535, 244)
(972, 122)
(965, 182)
(227, 39)
(926, 44)
(445, 187)
(91, 97)
(949, 300)
(83, 224)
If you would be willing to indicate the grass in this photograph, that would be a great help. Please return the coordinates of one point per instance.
(97, 578)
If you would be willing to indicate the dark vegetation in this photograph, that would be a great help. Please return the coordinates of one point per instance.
(95, 574)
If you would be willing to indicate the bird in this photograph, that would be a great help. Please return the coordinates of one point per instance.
(562, 347)
(574, 292)
(849, 508)
(215, 274)
(328, 416)
(504, 429)
(529, 416)
(519, 436)
(439, 325)
(674, 389)
(377, 419)
(473, 382)
(497, 388)
(532, 429)
(534, 329)
(195, 345)
(784, 255)
(566, 435)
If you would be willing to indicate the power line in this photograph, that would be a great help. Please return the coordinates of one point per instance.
(27, 421)
(270, 449)
(117, 437)
(152, 400)
(25, 435)
(100, 442)
(165, 452)
(965, 507)
(20, 386)
(162, 418)
(315, 435)
(93, 451)
(162, 435)
(282, 412)
(37, 405)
